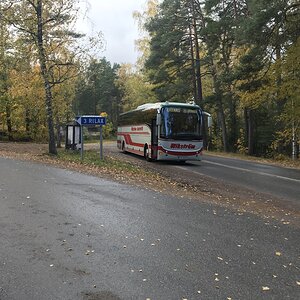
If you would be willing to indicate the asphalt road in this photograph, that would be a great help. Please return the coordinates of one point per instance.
(276, 182)
(280, 182)
(66, 235)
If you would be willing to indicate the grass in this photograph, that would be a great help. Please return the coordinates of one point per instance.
(92, 158)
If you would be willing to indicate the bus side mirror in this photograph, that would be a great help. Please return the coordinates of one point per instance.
(158, 119)
(209, 121)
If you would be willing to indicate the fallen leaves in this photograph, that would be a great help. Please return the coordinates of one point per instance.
(265, 288)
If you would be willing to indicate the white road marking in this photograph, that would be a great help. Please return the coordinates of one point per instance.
(243, 170)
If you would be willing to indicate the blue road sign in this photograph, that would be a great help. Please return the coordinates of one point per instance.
(90, 120)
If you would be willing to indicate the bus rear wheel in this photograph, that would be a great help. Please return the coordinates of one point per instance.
(147, 153)
(123, 147)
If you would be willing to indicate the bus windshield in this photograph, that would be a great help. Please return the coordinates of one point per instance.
(180, 123)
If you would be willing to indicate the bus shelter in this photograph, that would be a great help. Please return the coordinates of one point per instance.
(73, 137)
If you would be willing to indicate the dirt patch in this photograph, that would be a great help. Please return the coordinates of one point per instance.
(177, 183)
(23, 148)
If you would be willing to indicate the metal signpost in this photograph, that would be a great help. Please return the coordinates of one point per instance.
(91, 121)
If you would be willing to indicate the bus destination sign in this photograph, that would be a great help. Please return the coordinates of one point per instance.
(91, 120)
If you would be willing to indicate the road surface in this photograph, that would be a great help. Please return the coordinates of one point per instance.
(280, 182)
(273, 181)
(66, 235)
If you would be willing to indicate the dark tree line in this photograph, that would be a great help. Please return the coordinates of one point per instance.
(232, 57)
(96, 90)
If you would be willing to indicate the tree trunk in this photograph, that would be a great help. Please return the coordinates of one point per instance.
(193, 63)
(233, 135)
(8, 122)
(58, 133)
(27, 121)
(45, 75)
(219, 104)
(199, 98)
(221, 117)
(197, 71)
(249, 130)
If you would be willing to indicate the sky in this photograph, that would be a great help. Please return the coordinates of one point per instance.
(114, 19)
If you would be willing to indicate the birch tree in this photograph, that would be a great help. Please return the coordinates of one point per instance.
(48, 26)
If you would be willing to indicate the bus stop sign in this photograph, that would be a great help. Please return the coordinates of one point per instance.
(91, 120)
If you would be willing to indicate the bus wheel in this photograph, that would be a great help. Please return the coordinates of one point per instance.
(147, 153)
(123, 147)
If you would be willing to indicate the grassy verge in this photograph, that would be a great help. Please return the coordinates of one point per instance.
(91, 158)
(116, 169)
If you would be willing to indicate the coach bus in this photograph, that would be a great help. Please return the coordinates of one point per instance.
(163, 131)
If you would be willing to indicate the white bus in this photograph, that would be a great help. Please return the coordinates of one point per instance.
(163, 131)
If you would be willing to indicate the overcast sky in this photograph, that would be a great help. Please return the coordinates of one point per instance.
(114, 19)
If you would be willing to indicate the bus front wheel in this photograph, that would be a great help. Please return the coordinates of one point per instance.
(147, 153)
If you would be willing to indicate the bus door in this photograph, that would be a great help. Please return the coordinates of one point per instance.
(154, 139)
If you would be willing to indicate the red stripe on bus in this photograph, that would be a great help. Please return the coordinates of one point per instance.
(177, 153)
(129, 141)
(138, 132)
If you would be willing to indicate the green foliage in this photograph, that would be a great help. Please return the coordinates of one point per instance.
(46, 53)
(135, 88)
(169, 61)
(97, 91)
(247, 48)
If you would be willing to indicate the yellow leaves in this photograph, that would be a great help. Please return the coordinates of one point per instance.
(277, 253)
(104, 114)
(253, 99)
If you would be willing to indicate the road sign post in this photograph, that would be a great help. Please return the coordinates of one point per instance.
(81, 141)
(101, 144)
(91, 121)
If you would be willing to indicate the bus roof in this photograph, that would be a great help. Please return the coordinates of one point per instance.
(163, 104)
(158, 105)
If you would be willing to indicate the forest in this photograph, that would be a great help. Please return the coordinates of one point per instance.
(238, 59)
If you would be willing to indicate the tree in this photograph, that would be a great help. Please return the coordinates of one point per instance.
(222, 19)
(143, 43)
(47, 27)
(134, 87)
(27, 94)
(267, 34)
(170, 64)
(97, 91)
(5, 62)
